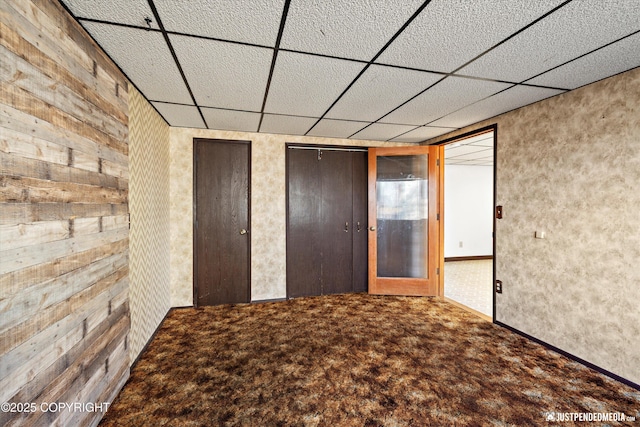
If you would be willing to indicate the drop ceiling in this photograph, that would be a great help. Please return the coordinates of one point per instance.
(383, 70)
(473, 151)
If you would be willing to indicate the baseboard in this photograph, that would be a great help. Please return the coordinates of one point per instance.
(468, 258)
(262, 301)
(571, 356)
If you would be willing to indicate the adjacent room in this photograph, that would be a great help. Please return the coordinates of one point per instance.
(227, 212)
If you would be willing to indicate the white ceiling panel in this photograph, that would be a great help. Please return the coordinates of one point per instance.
(289, 125)
(613, 59)
(474, 162)
(304, 85)
(345, 28)
(255, 21)
(422, 134)
(502, 102)
(180, 115)
(573, 30)
(447, 96)
(468, 151)
(336, 128)
(231, 120)
(477, 150)
(481, 140)
(224, 75)
(145, 59)
(382, 131)
(130, 12)
(379, 90)
(449, 33)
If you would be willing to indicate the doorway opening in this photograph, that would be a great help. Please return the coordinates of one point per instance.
(469, 226)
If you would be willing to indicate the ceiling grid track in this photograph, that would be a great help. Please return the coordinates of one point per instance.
(366, 69)
(283, 21)
(175, 58)
(377, 55)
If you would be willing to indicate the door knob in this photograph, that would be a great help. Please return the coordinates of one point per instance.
(243, 231)
(372, 228)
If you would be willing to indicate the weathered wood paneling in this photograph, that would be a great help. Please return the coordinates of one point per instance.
(64, 217)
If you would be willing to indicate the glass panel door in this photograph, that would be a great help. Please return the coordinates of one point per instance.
(403, 207)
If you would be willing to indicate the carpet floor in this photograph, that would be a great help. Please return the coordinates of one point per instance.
(355, 360)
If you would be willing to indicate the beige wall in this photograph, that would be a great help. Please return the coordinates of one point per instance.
(570, 165)
(268, 209)
(149, 207)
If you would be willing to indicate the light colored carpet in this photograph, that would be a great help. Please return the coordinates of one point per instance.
(470, 283)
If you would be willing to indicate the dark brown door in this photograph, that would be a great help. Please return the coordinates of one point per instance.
(360, 237)
(336, 221)
(327, 222)
(221, 226)
(303, 234)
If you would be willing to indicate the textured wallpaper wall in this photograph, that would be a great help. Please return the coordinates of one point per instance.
(570, 165)
(149, 206)
(268, 209)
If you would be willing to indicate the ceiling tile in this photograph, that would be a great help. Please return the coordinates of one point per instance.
(256, 21)
(145, 59)
(445, 97)
(224, 75)
(613, 59)
(448, 33)
(478, 140)
(422, 133)
(336, 128)
(180, 115)
(130, 12)
(382, 131)
(468, 152)
(379, 90)
(479, 162)
(346, 29)
(289, 125)
(516, 97)
(231, 120)
(305, 85)
(573, 30)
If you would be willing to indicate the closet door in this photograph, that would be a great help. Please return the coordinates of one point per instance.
(304, 244)
(327, 222)
(336, 221)
(359, 231)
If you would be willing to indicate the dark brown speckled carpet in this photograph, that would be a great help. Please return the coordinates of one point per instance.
(355, 360)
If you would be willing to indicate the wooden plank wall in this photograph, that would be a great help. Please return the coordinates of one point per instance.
(64, 226)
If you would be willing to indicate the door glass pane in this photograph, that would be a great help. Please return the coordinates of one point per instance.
(402, 213)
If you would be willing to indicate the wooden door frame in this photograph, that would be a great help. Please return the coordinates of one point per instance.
(300, 145)
(194, 207)
(491, 128)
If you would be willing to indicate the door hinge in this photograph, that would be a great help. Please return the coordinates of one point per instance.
(437, 162)
(437, 271)
(438, 217)
(319, 155)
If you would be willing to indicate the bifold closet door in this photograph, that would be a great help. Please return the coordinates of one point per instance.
(360, 218)
(327, 222)
(336, 221)
(303, 231)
